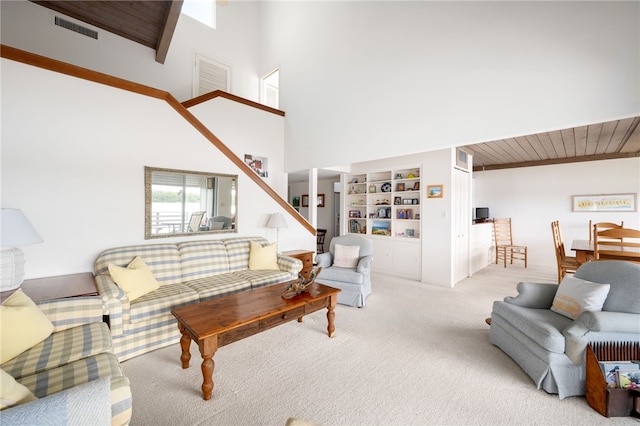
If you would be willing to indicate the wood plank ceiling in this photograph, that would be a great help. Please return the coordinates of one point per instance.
(613, 139)
(150, 23)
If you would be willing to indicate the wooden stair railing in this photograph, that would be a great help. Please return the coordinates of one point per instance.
(39, 61)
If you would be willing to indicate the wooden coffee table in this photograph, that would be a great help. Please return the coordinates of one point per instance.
(218, 322)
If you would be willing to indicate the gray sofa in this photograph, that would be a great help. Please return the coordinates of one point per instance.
(188, 272)
(550, 347)
(355, 283)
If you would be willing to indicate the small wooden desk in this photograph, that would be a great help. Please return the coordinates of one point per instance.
(59, 287)
(583, 249)
(306, 256)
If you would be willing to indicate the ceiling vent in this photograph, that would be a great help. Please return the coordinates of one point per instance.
(63, 23)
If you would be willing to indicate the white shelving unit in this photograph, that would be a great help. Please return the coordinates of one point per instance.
(384, 203)
(386, 207)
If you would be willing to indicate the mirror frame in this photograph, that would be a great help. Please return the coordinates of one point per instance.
(148, 171)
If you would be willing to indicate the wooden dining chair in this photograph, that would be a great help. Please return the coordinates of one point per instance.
(602, 226)
(320, 235)
(617, 244)
(503, 239)
(566, 264)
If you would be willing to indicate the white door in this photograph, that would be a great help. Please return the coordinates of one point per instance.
(461, 224)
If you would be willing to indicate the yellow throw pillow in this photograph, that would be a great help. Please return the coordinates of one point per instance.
(136, 279)
(13, 393)
(261, 258)
(22, 325)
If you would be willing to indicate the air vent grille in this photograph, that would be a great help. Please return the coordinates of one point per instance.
(63, 23)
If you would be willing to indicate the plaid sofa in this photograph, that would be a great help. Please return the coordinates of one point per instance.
(188, 272)
(78, 352)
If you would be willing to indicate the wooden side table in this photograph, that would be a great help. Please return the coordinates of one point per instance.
(306, 256)
(59, 287)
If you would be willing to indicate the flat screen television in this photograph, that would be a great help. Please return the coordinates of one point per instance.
(482, 214)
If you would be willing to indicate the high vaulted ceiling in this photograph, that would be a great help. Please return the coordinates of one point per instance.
(150, 23)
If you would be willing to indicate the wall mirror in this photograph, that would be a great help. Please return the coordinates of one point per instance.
(183, 203)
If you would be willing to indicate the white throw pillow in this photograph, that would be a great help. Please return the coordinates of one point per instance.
(575, 296)
(263, 258)
(346, 256)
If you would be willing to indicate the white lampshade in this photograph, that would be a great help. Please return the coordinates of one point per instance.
(15, 230)
(277, 221)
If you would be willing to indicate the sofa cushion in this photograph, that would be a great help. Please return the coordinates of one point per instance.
(201, 259)
(542, 326)
(575, 296)
(341, 275)
(61, 348)
(12, 393)
(238, 251)
(162, 259)
(263, 257)
(160, 302)
(22, 325)
(73, 374)
(263, 278)
(623, 277)
(136, 279)
(218, 285)
(346, 256)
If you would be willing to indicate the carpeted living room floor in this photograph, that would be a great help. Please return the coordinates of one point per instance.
(417, 354)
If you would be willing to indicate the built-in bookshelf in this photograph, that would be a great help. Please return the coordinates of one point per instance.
(384, 203)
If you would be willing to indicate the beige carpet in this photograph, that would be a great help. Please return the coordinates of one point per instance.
(416, 354)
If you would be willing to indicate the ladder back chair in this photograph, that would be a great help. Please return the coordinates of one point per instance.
(320, 235)
(566, 264)
(503, 239)
(617, 244)
(601, 226)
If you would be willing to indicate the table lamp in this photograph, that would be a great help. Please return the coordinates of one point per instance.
(277, 221)
(15, 230)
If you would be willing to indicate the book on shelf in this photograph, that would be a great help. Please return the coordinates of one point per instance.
(628, 379)
(610, 370)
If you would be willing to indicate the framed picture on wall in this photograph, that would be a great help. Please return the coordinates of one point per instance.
(435, 191)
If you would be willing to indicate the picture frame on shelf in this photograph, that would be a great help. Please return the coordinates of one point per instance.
(435, 191)
(417, 216)
(400, 187)
(416, 186)
(354, 213)
(397, 201)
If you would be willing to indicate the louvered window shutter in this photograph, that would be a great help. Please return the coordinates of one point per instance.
(210, 76)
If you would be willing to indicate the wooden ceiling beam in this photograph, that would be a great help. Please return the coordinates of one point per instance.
(169, 27)
(557, 161)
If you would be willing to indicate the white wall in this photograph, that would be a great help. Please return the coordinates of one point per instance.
(28, 26)
(535, 196)
(73, 157)
(376, 79)
(325, 219)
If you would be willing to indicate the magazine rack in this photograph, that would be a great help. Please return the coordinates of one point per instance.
(610, 402)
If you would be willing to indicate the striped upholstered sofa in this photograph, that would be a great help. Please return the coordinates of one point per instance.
(70, 369)
(188, 272)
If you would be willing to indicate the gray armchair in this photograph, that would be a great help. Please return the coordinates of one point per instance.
(355, 283)
(550, 347)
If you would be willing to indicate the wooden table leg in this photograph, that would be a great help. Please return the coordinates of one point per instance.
(208, 348)
(331, 314)
(185, 342)
(581, 257)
